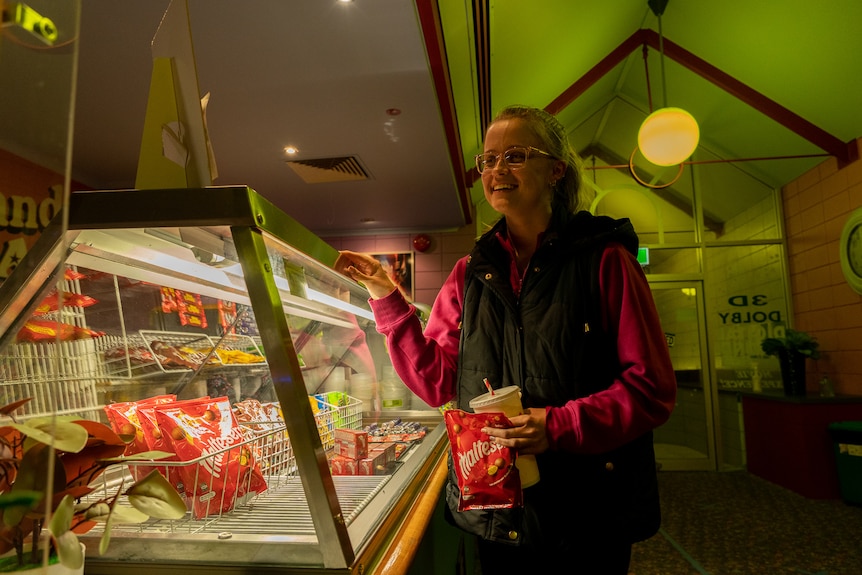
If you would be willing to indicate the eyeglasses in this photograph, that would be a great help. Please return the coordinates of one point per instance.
(515, 157)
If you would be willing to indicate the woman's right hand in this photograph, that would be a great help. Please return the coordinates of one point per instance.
(366, 270)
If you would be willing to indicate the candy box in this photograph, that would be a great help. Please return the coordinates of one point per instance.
(486, 472)
(375, 464)
(344, 465)
(388, 450)
(351, 443)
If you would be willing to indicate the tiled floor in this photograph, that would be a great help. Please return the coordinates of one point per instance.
(734, 523)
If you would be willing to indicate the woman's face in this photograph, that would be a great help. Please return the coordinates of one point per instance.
(524, 190)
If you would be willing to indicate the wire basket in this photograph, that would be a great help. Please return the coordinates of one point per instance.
(265, 451)
(233, 349)
(57, 377)
(179, 351)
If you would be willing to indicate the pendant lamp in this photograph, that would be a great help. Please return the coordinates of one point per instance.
(669, 135)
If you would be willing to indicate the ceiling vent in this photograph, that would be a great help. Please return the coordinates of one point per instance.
(325, 170)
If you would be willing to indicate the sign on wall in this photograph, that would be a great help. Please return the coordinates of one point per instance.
(30, 196)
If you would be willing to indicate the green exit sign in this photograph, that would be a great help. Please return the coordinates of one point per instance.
(643, 256)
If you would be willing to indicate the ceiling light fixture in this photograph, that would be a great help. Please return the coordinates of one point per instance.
(669, 135)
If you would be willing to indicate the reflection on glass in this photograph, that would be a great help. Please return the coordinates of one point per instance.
(685, 436)
(749, 303)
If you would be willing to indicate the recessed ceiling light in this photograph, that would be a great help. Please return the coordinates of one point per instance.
(291, 150)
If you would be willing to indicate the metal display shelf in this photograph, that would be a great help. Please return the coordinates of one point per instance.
(264, 284)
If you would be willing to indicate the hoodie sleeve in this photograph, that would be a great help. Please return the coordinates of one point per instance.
(425, 361)
(643, 393)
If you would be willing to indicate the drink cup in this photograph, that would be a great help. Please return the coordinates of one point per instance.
(508, 401)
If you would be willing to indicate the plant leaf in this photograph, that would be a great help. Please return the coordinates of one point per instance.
(10, 407)
(21, 497)
(97, 512)
(100, 432)
(155, 496)
(123, 514)
(61, 520)
(69, 550)
(33, 476)
(106, 536)
(63, 435)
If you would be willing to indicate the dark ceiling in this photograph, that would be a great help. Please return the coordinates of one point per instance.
(400, 91)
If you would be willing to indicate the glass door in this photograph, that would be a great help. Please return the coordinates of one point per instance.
(686, 442)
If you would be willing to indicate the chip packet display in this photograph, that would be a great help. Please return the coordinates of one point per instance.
(486, 472)
(225, 470)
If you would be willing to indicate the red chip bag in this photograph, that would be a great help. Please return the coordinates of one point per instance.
(52, 302)
(36, 330)
(486, 472)
(70, 275)
(156, 441)
(124, 420)
(225, 469)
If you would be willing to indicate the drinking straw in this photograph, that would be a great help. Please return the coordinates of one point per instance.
(488, 385)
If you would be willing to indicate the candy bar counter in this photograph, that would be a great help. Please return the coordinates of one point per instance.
(207, 325)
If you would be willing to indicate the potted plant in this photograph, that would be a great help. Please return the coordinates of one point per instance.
(792, 350)
(46, 467)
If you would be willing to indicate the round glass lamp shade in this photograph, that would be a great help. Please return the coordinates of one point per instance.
(668, 136)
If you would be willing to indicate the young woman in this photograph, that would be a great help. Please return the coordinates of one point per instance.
(552, 300)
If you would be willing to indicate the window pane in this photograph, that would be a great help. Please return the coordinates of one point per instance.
(746, 302)
(736, 205)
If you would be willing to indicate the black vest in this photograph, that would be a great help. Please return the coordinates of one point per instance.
(550, 343)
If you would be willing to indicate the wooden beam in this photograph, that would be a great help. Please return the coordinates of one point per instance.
(598, 71)
(432, 32)
(845, 152)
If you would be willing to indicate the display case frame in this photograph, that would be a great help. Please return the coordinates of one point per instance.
(255, 225)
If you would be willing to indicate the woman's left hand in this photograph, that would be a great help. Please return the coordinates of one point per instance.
(527, 435)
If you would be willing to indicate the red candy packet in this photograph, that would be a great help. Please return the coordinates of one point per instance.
(124, 420)
(208, 427)
(486, 472)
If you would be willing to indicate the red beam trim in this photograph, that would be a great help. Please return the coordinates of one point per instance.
(598, 71)
(432, 32)
(844, 152)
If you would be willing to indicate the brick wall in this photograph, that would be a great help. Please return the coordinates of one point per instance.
(816, 206)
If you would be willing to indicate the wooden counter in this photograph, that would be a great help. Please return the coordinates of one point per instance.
(787, 439)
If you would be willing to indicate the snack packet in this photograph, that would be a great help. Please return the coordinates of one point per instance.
(124, 420)
(486, 472)
(36, 330)
(228, 472)
(157, 441)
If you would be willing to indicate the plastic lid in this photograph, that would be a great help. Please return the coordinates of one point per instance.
(500, 396)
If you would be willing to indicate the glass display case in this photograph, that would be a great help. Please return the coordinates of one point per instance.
(213, 293)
